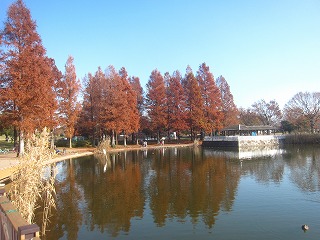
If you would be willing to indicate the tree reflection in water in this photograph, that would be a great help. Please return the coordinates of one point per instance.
(106, 194)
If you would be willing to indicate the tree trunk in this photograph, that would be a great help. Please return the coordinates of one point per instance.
(21, 144)
(15, 138)
(70, 142)
(124, 140)
(93, 138)
(133, 138)
(311, 125)
(52, 140)
(112, 140)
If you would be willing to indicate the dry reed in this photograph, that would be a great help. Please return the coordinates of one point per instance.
(103, 146)
(29, 183)
(302, 138)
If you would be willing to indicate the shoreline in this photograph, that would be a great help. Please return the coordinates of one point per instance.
(8, 162)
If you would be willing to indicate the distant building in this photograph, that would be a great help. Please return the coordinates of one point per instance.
(243, 130)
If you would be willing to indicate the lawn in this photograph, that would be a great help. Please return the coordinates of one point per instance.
(4, 144)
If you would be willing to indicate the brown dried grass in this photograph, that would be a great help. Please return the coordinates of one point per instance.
(29, 184)
(103, 146)
(302, 138)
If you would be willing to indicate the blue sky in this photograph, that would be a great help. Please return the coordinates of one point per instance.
(266, 49)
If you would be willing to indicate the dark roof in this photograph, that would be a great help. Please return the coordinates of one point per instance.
(241, 127)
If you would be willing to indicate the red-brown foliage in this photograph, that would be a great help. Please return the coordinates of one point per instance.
(194, 103)
(91, 106)
(69, 107)
(176, 103)
(28, 79)
(156, 101)
(211, 98)
(110, 104)
(229, 108)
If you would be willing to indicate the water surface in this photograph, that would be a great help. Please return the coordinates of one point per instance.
(189, 193)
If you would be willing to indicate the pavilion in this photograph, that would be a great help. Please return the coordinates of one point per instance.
(243, 130)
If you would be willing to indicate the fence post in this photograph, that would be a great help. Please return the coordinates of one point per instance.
(12, 224)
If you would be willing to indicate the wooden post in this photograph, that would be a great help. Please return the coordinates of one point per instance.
(12, 224)
(2, 192)
(28, 231)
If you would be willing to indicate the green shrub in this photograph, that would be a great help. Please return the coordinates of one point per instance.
(65, 143)
(81, 143)
(62, 143)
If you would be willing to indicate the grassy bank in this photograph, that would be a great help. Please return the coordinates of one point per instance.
(4, 144)
(302, 138)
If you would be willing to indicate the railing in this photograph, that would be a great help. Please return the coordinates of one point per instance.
(13, 226)
(221, 138)
(243, 138)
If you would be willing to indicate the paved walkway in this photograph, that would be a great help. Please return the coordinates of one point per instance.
(9, 161)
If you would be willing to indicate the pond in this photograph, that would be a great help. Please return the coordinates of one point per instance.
(189, 193)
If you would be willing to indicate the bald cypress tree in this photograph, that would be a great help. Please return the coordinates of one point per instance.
(194, 104)
(156, 102)
(176, 103)
(136, 87)
(89, 118)
(211, 98)
(129, 117)
(28, 76)
(69, 108)
(229, 108)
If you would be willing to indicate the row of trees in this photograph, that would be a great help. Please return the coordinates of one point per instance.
(301, 113)
(114, 103)
(110, 104)
(187, 104)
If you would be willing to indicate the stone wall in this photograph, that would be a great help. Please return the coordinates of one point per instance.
(243, 142)
(255, 142)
